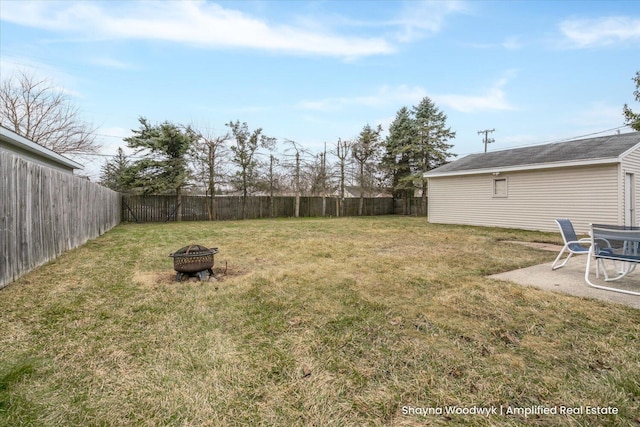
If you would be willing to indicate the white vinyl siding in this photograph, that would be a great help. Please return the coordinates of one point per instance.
(588, 194)
(630, 164)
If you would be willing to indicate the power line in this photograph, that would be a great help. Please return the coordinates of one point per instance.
(110, 136)
(591, 134)
(551, 141)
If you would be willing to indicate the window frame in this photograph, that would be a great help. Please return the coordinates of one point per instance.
(494, 189)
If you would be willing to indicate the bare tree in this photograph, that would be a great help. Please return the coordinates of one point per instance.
(39, 111)
(208, 152)
(274, 181)
(297, 174)
(244, 156)
(343, 151)
(365, 150)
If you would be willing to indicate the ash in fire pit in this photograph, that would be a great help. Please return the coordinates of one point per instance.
(194, 260)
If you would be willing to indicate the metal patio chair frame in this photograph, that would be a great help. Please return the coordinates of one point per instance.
(572, 244)
(601, 250)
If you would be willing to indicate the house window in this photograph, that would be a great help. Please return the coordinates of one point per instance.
(499, 187)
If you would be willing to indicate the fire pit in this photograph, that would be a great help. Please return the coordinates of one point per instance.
(193, 260)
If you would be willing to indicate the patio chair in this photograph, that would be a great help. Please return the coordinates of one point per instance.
(571, 243)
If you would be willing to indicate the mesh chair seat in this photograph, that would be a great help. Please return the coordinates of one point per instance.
(572, 244)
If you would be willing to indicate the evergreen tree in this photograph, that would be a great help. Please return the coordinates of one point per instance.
(164, 165)
(114, 173)
(633, 119)
(430, 149)
(396, 160)
(417, 143)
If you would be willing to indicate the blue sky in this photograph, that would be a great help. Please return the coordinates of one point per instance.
(316, 71)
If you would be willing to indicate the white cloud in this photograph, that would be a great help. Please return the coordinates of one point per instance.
(584, 33)
(509, 43)
(599, 115)
(59, 80)
(107, 62)
(384, 96)
(512, 43)
(111, 138)
(493, 98)
(424, 17)
(193, 22)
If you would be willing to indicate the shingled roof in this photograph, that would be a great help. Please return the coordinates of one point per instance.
(580, 151)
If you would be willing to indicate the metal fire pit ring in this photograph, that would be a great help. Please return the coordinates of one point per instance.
(194, 260)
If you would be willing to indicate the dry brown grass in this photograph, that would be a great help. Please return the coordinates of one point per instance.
(317, 322)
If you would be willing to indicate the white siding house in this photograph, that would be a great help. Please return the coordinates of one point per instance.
(588, 181)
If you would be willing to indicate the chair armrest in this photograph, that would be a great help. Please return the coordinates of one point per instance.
(604, 240)
(580, 242)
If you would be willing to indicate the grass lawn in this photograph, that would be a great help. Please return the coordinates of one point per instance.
(344, 322)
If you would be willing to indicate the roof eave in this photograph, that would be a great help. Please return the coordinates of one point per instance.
(25, 144)
(518, 168)
(629, 151)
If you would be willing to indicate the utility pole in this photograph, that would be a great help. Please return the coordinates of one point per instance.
(296, 177)
(297, 208)
(323, 179)
(487, 140)
(342, 152)
(324, 170)
(271, 179)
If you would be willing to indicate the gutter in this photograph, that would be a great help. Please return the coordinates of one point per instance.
(23, 143)
(518, 168)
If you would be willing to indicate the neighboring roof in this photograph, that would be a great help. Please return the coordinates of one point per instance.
(34, 151)
(603, 149)
(356, 190)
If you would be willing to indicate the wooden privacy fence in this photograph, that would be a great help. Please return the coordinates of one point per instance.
(44, 212)
(409, 206)
(152, 208)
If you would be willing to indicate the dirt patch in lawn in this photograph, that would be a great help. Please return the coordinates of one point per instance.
(153, 278)
(168, 277)
(552, 247)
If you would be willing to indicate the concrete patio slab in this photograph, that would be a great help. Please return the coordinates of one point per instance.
(570, 280)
